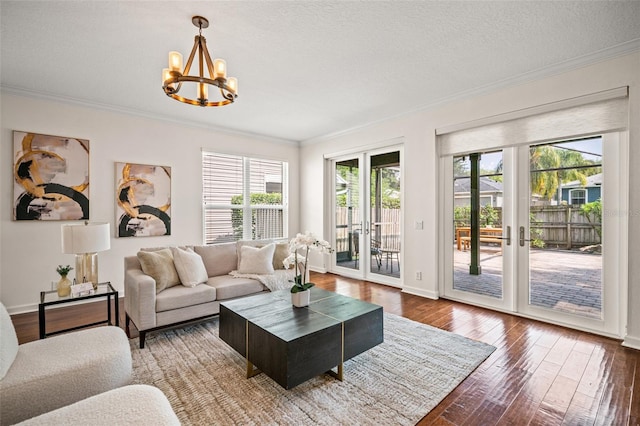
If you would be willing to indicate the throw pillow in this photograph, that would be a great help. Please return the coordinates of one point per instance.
(250, 243)
(280, 254)
(159, 265)
(257, 260)
(190, 267)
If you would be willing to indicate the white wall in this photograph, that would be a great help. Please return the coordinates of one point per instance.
(30, 250)
(421, 173)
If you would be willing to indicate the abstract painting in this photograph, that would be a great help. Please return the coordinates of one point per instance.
(143, 197)
(51, 177)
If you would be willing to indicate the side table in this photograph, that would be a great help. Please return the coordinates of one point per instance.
(50, 298)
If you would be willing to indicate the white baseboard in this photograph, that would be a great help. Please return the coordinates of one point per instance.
(421, 292)
(318, 269)
(22, 309)
(631, 342)
(33, 307)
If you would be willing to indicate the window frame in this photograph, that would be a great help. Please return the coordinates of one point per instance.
(246, 207)
(578, 190)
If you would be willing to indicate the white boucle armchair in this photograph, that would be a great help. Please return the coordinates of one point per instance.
(44, 375)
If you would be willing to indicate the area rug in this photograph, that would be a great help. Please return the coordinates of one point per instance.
(397, 382)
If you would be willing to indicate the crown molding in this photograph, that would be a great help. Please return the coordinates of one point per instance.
(17, 91)
(619, 50)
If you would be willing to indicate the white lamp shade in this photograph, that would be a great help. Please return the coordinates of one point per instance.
(88, 238)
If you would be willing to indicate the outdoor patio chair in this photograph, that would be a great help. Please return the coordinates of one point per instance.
(376, 253)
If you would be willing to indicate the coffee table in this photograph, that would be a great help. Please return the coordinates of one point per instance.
(292, 345)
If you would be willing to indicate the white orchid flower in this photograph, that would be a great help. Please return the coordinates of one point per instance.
(304, 242)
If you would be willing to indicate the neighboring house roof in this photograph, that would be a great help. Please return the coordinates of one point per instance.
(593, 180)
(486, 185)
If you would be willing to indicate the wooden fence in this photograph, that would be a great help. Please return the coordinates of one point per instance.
(557, 226)
(386, 229)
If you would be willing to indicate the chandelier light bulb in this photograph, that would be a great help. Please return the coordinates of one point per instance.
(175, 61)
(166, 74)
(219, 69)
(232, 84)
(203, 92)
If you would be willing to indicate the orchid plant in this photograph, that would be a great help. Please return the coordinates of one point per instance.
(304, 242)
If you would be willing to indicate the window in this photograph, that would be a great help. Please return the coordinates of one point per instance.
(243, 198)
(578, 196)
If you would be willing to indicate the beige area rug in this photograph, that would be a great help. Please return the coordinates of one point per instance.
(397, 382)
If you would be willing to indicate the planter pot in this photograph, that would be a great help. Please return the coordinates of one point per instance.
(301, 298)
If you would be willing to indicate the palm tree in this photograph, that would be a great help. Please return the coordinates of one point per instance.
(544, 183)
(546, 178)
(571, 158)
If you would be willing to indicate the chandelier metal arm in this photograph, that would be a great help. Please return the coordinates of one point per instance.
(187, 66)
(201, 46)
(208, 59)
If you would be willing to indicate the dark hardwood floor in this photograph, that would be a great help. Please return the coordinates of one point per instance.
(540, 374)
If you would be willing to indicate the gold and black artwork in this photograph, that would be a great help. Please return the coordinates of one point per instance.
(143, 197)
(51, 177)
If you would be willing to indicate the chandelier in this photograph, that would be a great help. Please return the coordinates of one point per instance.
(174, 76)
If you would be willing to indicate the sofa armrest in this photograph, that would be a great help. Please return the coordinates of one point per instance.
(140, 298)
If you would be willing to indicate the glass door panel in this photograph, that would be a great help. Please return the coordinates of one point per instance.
(385, 213)
(564, 241)
(348, 219)
(478, 242)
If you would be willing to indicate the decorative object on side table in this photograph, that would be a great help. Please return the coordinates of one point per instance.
(85, 241)
(300, 290)
(64, 285)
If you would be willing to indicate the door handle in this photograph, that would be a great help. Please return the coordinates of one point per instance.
(522, 239)
(508, 238)
(366, 230)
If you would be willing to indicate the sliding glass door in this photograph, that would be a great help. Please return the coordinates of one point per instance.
(527, 231)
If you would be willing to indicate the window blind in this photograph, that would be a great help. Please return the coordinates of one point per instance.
(243, 198)
(601, 112)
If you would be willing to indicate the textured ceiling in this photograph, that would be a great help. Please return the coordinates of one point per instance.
(305, 69)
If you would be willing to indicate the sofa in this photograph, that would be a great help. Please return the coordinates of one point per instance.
(44, 375)
(172, 286)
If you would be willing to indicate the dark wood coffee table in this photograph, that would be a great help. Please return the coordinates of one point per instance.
(292, 345)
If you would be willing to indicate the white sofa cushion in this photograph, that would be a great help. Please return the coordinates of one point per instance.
(190, 266)
(228, 287)
(180, 297)
(255, 260)
(9, 346)
(159, 265)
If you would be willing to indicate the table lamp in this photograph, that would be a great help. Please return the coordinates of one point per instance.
(85, 241)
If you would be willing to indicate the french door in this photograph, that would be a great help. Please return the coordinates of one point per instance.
(526, 230)
(366, 212)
